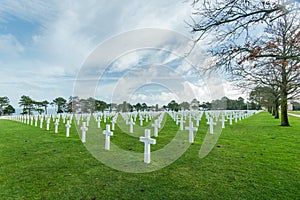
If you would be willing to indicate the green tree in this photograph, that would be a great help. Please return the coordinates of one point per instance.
(45, 104)
(194, 104)
(241, 104)
(60, 104)
(4, 101)
(138, 107)
(39, 107)
(173, 105)
(27, 103)
(184, 105)
(101, 105)
(8, 110)
(156, 108)
(144, 107)
(267, 97)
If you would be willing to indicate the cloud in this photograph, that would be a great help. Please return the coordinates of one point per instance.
(10, 46)
(64, 34)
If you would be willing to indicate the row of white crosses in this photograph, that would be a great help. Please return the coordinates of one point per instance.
(180, 117)
(146, 139)
(211, 115)
(29, 119)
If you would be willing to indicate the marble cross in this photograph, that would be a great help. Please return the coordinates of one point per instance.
(191, 130)
(68, 126)
(147, 140)
(83, 133)
(107, 134)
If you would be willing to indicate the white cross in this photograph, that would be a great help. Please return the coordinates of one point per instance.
(113, 121)
(98, 122)
(223, 121)
(131, 123)
(177, 120)
(211, 125)
(68, 126)
(147, 117)
(236, 117)
(141, 120)
(41, 122)
(198, 118)
(230, 119)
(35, 121)
(107, 134)
(83, 134)
(78, 119)
(56, 126)
(190, 117)
(191, 130)
(64, 118)
(181, 123)
(147, 140)
(47, 123)
(155, 126)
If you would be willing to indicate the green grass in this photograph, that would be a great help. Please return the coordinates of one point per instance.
(295, 112)
(253, 159)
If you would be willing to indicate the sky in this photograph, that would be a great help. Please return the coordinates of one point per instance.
(112, 50)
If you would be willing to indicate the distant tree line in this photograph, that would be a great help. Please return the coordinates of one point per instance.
(92, 105)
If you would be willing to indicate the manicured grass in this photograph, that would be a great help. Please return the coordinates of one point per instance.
(253, 159)
(295, 112)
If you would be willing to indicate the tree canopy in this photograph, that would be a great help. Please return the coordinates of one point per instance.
(255, 42)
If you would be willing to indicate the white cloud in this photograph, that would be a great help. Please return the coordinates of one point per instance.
(10, 46)
(68, 31)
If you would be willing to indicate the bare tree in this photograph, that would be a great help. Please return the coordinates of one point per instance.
(268, 57)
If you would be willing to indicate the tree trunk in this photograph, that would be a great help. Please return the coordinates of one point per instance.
(284, 96)
(276, 108)
(284, 114)
(269, 109)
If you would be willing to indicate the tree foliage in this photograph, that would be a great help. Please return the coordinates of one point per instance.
(27, 103)
(60, 103)
(5, 107)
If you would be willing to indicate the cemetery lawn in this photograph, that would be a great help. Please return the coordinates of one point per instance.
(253, 159)
(295, 112)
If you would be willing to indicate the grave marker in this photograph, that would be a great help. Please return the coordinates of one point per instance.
(147, 140)
(41, 122)
(68, 126)
(98, 122)
(223, 121)
(47, 124)
(181, 123)
(83, 133)
(107, 134)
(191, 130)
(155, 126)
(211, 124)
(131, 123)
(56, 126)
